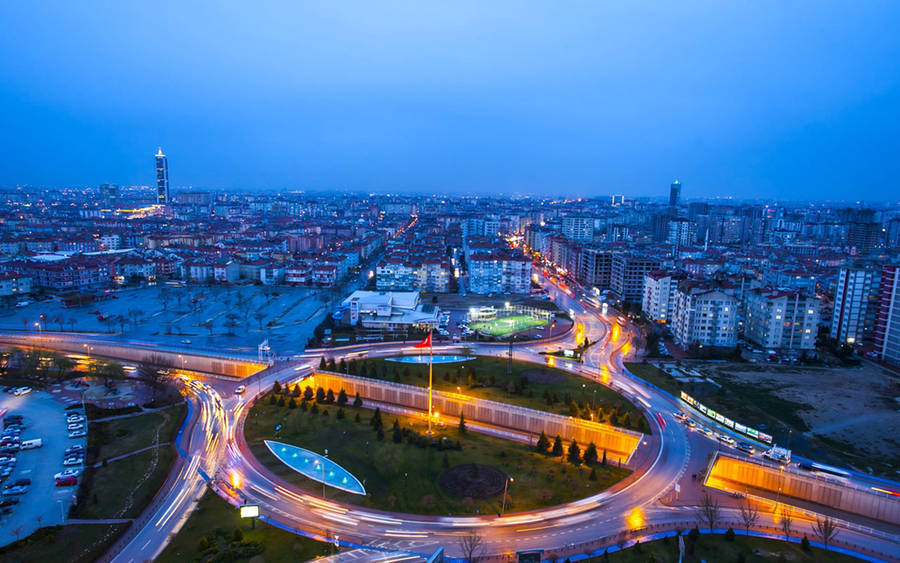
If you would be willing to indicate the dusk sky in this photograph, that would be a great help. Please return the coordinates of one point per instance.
(787, 99)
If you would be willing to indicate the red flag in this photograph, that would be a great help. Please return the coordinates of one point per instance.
(425, 343)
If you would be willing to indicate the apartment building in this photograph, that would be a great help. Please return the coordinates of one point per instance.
(704, 315)
(855, 302)
(781, 319)
(499, 273)
(659, 295)
(627, 275)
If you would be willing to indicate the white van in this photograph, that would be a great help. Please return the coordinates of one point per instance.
(31, 444)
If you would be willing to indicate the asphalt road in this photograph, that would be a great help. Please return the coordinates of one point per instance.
(213, 442)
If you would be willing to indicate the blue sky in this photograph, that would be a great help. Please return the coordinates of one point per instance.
(789, 99)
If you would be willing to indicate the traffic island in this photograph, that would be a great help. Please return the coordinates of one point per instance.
(405, 470)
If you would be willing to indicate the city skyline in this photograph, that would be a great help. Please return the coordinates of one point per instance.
(763, 101)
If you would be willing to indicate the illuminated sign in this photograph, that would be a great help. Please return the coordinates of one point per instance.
(249, 511)
(725, 421)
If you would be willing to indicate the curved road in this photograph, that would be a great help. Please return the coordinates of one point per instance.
(214, 449)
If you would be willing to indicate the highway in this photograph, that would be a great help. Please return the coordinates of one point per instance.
(212, 447)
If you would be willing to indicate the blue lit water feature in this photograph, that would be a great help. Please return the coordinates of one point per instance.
(316, 467)
(423, 359)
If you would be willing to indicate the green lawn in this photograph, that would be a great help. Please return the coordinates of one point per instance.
(534, 386)
(117, 437)
(120, 490)
(403, 476)
(717, 548)
(507, 325)
(655, 376)
(75, 543)
(216, 520)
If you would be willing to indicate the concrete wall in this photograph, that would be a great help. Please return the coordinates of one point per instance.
(133, 353)
(728, 472)
(619, 443)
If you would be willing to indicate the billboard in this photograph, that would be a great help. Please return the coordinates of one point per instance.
(725, 421)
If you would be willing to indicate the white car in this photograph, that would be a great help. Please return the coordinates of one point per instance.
(22, 391)
(74, 460)
(75, 417)
(75, 426)
(726, 439)
(239, 390)
(77, 434)
(72, 472)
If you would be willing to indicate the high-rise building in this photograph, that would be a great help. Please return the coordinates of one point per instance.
(887, 322)
(595, 267)
(162, 178)
(705, 315)
(659, 295)
(109, 193)
(578, 228)
(781, 319)
(674, 193)
(855, 302)
(627, 275)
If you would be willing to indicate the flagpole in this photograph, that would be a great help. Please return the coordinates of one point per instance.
(430, 359)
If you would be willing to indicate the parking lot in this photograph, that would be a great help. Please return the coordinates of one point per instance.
(44, 504)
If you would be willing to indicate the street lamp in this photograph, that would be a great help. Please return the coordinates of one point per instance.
(505, 488)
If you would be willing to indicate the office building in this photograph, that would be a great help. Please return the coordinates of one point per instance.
(674, 193)
(162, 178)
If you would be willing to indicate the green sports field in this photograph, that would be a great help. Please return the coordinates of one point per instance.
(507, 325)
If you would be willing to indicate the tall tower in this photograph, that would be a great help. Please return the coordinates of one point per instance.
(674, 193)
(162, 178)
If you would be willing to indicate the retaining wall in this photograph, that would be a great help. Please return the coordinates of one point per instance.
(205, 363)
(737, 474)
(619, 443)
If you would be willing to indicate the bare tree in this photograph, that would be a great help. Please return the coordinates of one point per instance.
(259, 316)
(786, 522)
(135, 315)
(471, 545)
(153, 371)
(708, 511)
(208, 325)
(749, 515)
(825, 530)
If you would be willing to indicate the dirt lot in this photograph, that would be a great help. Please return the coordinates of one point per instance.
(852, 412)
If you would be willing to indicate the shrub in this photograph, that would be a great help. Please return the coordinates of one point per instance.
(729, 534)
(203, 544)
(238, 535)
(804, 543)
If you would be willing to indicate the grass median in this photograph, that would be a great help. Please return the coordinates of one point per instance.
(75, 543)
(211, 531)
(460, 472)
(535, 386)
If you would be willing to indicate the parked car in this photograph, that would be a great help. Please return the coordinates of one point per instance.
(8, 502)
(77, 434)
(22, 391)
(75, 417)
(76, 449)
(74, 460)
(75, 426)
(31, 444)
(71, 472)
(20, 487)
(67, 482)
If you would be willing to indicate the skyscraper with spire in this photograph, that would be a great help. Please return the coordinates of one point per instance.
(162, 178)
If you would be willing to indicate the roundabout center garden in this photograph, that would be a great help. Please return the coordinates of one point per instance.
(454, 471)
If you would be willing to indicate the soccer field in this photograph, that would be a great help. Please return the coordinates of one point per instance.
(507, 325)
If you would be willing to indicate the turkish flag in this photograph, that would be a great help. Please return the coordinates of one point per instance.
(425, 343)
